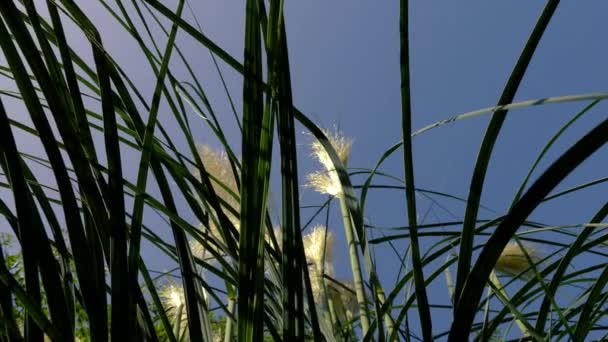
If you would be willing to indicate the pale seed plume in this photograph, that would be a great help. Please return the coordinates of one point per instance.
(344, 298)
(172, 296)
(318, 243)
(197, 249)
(317, 279)
(513, 260)
(174, 303)
(318, 248)
(327, 181)
(222, 179)
(339, 142)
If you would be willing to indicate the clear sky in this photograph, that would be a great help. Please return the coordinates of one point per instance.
(345, 71)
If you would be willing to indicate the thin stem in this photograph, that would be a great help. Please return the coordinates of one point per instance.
(229, 322)
(498, 285)
(355, 266)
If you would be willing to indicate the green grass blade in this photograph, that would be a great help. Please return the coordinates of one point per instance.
(471, 294)
(28, 242)
(37, 251)
(122, 303)
(594, 97)
(256, 154)
(565, 261)
(72, 83)
(293, 259)
(10, 329)
(548, 146)
(192, 292)
(485, 152)
(199, 36)
(584, 321)
(406, 122)
(34, 107)
(33, 308)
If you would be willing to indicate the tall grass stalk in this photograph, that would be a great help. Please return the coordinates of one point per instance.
(355, 265)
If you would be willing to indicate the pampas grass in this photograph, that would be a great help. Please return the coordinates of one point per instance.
(515, 260)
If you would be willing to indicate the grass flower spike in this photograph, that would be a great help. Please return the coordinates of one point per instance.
(173, 297)
(327, 181)
(318, 245)
(198, 251)
(217, 165)
(344, 297)
(513, 260)
(340, 143)
(174, 303)
(224, 184)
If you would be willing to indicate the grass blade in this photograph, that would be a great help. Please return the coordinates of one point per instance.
(472, 291)
(256, 154)
(293, 258)
(406, 121)
(485, 152)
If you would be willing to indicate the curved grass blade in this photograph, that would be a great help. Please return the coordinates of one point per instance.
(210, 195)
(75, 228)
(556, 281)
(28, 242)
(9, 328)
(199, 36)
(549, 144)
(193, 307)
(584, 321)
(471, 294)
(485, 152)
(30, 305)
(122, 308)
(184, 257)
(594, 97)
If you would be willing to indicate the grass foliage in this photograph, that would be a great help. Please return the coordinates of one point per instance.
(86, 228)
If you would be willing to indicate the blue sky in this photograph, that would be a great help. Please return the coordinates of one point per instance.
(345, 71)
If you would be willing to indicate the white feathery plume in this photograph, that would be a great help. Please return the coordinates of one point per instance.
(328, 181)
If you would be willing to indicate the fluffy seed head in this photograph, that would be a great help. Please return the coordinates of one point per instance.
(318, 247)
(174, 303)
(316, 278)
(344, 298)
(513, 260)
(198, 251)
(222, 178)
(328, 182)
(325, 182)
(318, 243)
(339, 142)
(173, 297)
